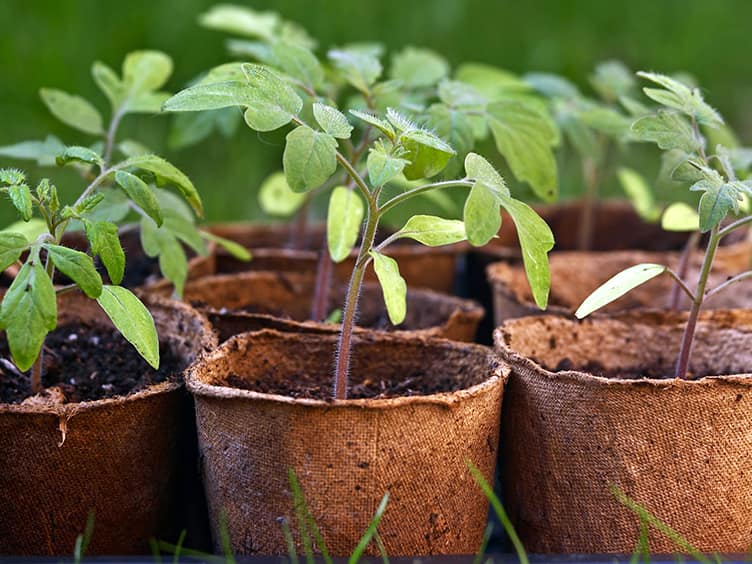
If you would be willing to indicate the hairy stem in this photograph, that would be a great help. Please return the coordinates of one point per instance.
(344, 345)
(682, 269)
(323, 281)
(590, 176)
(689, 331)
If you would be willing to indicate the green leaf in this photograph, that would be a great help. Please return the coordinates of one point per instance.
(189, 128)
(73, 111)
(716, 203)
(612, 80)
(382, 164)
(105, 242)
(108, 82)
(31, 229)
(159, 242)
(619, 285)
(79, 154)
(525, 138)
(454, 126)
(380, 124)
(276, 197)
(166, 173)
(28, 312)
(361, 69)
(310, 158)
(490, 81)
(213, 96)
(481, 214)
(113, 208)
(12, 245)
(457, 94)
(145, 71)
(133, 320)
(552, 85)
(185, 230)
(140, 193)
(536, 240)
(478, 168)
(131, 148)
(237, 250)
(668, 130)
(149, 103)
(343, 222)
(418, 68)
(45, 152)
(607, 120)
(241, 21)
(680, 97)
(274, 102)
(680, 217)
(332, 121)
(639, 194)
(298, 62)
(393, 286)
(20, 195)
(12, 176)
(433, 231)
(77, 266)
(427, 153)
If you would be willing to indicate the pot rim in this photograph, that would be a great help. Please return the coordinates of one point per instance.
(633, 317)
(68, 410)
(238, 344)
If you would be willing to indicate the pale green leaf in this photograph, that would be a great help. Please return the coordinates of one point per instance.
(79, 154)
(490, 81)
(360, 68)
(481, 214)
(276, 197)
(716, 203)
(478, 168)
(185, 230)
(454, 126)
(680, 217)
(237, 250)
(393, 286)
(343, 222)
(418, 68)
(20, 195)
(28, 312)
(140, 193)
(77, 266)
(428, 154)
(12, 176)
(552, 85)
(668, 130)
(145, 71)
(212, 96)
(332, 121)
(382, 164)
(105, 242)
(12, 244)
(619, 285)
(525, 138)
(380, 124)
(274, 102)
(73, 111)
(298, 62)
(167, 173)
(681, 97)
(241, 21)
(536, 240)
(160, 242)
(45, 152)
(612, 80)
(31, 229)
(310, 158)
(433, 231)
(109, 83)
(639, 194)
(133, 320)
(130, 148)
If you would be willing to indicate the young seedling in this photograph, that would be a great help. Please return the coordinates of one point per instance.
(112, 187)
(319, 142)
(166, 221)
(676, 126)
(415, 89)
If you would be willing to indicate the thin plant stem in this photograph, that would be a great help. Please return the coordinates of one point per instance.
(404, 196)
(590, 177)
(735, 225)
(109, 142)
(689, 331)
(680, 284)
(682, 269)
(344, 345)
(729, 282)
(323, 282)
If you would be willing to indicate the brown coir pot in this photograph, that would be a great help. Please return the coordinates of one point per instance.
(575, 275)
(680, 448)
(117, 457)
(274, 248)
(347, 454)
(250, 301)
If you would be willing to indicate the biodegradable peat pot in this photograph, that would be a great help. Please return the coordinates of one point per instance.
(348, 453)
(117, 456)
(575, 275)
(282, 301)
(681, 448)
(274, 249)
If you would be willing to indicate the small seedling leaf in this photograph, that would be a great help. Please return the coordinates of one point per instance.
(383, 166)
(433, 231)
(45, 152)
(12, 245)
(393, 286)
(79, 154)
(668, 130)
(105, 242)
(212, 96)
(428, 154)
(479, 169)
(20, 195)
(310, 158)
(237, 250)
(108, 82)
(639, 194)
(418, 68)
(482, 215)
(133, 320)
(140, 193)
(276, 197)
(380, 124)
(617, 286)
(145, 71)
(77, 266)
(160, 242)
(332, 121)
(274, 102)
(360, 68)
(167, 173)
(73, 111)
(343, 222)
(680, 217)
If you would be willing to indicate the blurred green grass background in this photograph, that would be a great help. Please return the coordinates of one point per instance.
(53, 43)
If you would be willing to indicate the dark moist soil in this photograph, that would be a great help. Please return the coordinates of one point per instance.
(654, 372)
(87, 363)
(305, 386)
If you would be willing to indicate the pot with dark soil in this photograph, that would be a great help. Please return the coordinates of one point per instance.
(595, 404)
(236, 303)
(101, 437)
(418, 410)
(278, 248)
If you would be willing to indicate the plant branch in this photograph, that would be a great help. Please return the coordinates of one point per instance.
(729, 282)
(735, 225)
(399, 198)
(357, 178)
(680, 284)
(682, 270)
(109, 142)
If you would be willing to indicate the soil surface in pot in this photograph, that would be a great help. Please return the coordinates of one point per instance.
(660, 370)
(84, 363)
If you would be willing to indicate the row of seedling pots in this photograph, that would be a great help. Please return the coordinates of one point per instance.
(328, 401)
